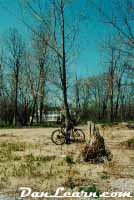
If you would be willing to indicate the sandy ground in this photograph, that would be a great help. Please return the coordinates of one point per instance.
(41, 165)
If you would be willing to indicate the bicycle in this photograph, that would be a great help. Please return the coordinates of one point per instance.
(59, 136)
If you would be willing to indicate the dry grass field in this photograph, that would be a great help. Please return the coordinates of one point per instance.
(29, 158)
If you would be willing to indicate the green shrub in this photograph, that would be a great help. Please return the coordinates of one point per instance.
(104, 175)
(69, 159)
(129, 143)
(16, 158)
(89, 189)
(70, 183)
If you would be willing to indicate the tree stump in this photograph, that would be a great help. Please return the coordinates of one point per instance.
(96, 151)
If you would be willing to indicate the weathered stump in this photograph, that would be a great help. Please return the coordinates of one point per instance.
(96, 151)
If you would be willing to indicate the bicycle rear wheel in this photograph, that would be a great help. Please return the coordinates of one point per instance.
(58, 137)
(79, 135)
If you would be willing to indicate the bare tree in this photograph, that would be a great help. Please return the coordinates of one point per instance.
(42, 59)
(76, 92)
(60, 42)
(15, 47)
(120, 17)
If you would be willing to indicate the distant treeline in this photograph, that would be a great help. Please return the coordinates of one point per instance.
(105, 98)
(30, 85)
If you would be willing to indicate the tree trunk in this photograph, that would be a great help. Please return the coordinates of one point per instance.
(112, 68)
(77, 97)
(16, 93)
(42, 92)
(64, 81)
(111, 110)
(117, 100)
(33, 111)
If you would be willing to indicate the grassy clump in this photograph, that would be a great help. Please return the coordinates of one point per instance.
(104, 175)
(7, 149)
(70, 183)
(26, 169)
(129, 143)
(69, 159)
(11, 146)
(92, 189)
(30, 165)
(40, 158)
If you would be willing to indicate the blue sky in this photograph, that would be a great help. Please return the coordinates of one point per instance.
(91, 33)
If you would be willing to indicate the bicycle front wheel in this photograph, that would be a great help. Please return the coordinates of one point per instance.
(79, 135)
(57, 137)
